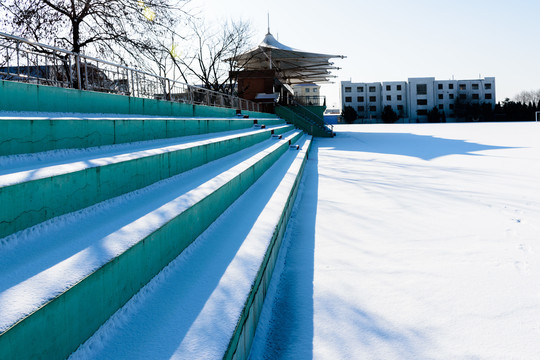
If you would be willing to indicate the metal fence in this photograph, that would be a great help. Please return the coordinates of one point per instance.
(311, 100)
(27, 61)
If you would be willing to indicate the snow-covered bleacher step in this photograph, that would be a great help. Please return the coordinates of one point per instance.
(42, 132)
(205, 303)
(62, 279)
(39, 187)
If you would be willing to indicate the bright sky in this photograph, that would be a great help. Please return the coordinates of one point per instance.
(391, 40)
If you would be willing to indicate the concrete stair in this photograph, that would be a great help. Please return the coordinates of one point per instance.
(86, 229)
(304, 119)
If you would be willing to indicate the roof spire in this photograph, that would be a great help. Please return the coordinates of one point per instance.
(268, 15)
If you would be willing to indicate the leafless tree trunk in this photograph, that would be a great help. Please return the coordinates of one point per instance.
(100, 25)
(142, 33)
(205, 63)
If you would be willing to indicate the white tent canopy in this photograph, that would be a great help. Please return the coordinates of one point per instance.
(292, 65)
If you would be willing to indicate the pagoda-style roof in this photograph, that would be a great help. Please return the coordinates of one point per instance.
(293, 66)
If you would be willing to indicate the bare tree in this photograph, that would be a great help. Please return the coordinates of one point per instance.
(205, 63)
(159, 36)
(103, 25)
(527, 97)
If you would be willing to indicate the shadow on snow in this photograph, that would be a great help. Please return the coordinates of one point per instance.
(420, 146)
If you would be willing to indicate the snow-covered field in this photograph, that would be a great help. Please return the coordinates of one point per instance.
(413, 241)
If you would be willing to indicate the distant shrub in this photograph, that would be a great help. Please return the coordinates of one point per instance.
(388, 115)
(349, 114)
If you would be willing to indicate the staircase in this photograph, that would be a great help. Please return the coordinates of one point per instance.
(305, 119)
(118, 237)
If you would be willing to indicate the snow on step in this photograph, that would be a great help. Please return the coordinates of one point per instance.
(46, 260)
(23, 162)
(42, 192)
(35, 132)
(20, 168)
(191, 308)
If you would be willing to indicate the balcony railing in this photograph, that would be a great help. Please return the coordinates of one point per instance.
(27, 61)
(311, 100)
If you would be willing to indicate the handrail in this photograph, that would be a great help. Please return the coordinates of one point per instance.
(296, 103)
(304, 122)
(311, 100)
(23, 61)
(32, 42)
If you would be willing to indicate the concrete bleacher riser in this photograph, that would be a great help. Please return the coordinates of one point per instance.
(60, 326)
(43, 197)
(21, 136)
(16, 96)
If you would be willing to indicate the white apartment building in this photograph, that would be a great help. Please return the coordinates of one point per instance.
(413, 99)
(306, 89)
(394, 93)
(308, 94)
(366, 98)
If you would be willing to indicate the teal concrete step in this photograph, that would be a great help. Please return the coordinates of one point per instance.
(38, 193)
(18, 96)
(96, 266)
(36, 134)
(205, 304)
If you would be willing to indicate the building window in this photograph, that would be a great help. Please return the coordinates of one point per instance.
(463, 96)
(487, 86)
(421, 112)
(462, 86)
(475, 86)
(451, 96)
(488, 97)
(388, 98)
(398, 87)
(441, 96)
(400, 107)
(388, 87)
(421, 89)
(421, 102)
(439, 86)
(372, 98)
(372, 89)
(451, 106)
(307, 90)
(361, 108)
(315, 90)
(348, 89)
(373, 108)
(451, 86)
(399, 96)
(348, 99)
(475, 97)
(360, 98)
(360, 89)
(441, 106)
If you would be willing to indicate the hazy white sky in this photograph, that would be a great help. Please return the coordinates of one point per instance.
(390, 40)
